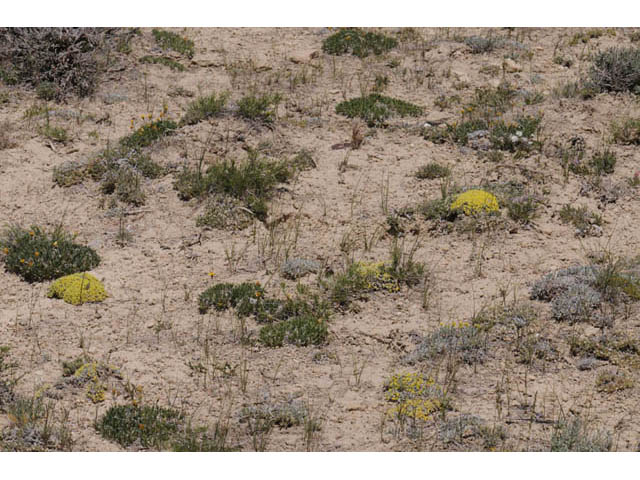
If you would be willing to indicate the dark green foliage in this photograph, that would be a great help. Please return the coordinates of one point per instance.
(376, 109)
(204, 108)
(166, 61)
(603, 162)
(357, 42)
(251, 182)
(581, 218)
(223, 296)
(260, 108)
(148, 133)
(175, 42)
(433, 170)
(37, 256)
(153, 426)
(300, 330)
(617, 70)
(522, 209)
(64, 58)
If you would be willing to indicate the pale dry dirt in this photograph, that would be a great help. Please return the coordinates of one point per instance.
(150, 326)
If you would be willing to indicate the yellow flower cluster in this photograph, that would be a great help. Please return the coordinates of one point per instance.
(461, 324)
(376, 277)
(78, 288)
(95, 389)
(412, 393)
(473, 202)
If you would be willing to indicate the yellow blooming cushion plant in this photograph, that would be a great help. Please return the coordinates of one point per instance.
(78, 288)
(474, 202)
(415, 395)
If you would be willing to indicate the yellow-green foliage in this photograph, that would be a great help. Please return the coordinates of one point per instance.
(376, 277)
(78, 288)
(415, 395)
(95, 389)
(473, 202)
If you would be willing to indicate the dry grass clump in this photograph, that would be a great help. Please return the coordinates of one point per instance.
(63, 60)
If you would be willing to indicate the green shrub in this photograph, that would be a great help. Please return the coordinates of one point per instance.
(357, 42)
(581, 218)
(376, 109)
(47, 91)
(223, 296)
(37, 256)
(166, 61)
(627, 131)
(201, 440)
(57, 134)
(175, 42)
(148, 134)
(522, 209)
(433, 170)
(153, 426)
(204, 108)
(260, 108)
(603, 162)
(300, 331)
(617, 70)
(251, 182)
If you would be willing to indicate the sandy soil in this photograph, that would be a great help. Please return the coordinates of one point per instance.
(150, 326)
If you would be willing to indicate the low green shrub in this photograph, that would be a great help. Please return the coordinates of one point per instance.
(433, 170)
(152, 426)
(37, 255)
(175, 42)
(357, 42)
(204, 108)
(376, 109)
(259, 108)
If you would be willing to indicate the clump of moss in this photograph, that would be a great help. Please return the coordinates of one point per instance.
(357, 42)
(473, 202)
(78, 288)
(37, 255)
(376, 109)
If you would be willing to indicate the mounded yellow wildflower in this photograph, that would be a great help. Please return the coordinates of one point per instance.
(78, 288)
(473, 202)
(413, 394)
(376, 277)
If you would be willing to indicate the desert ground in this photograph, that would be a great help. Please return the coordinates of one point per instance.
(479, 360)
